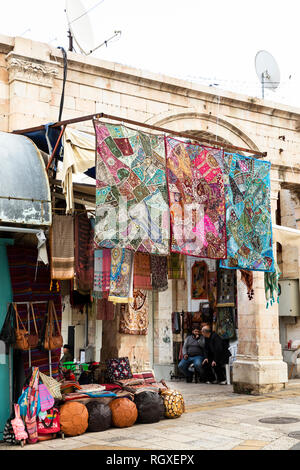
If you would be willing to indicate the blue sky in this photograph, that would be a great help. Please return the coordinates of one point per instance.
(205, 41)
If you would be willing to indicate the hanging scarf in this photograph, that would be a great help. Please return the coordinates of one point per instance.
(121, 276)
(247, 279)
(84, 252)
(159, 270)
(142, 272)
(102, 262)
(176, 266)
(62, 247)
(272, 286)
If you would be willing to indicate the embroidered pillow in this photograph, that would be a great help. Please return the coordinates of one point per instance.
(118, 369)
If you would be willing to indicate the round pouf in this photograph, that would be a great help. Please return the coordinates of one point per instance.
(73, 418)
(174, 403)
(100, 416)
(150, 407)
(124, 412)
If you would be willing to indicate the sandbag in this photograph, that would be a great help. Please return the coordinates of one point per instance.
(124, 412)
(100, 416)
(150, 406)
(73, 418)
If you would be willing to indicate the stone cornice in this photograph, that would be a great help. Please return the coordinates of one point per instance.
(30, 70)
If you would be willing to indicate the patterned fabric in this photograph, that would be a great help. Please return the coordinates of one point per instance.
(121, 276)
(132, 208)
(197, 200)
(225, 323)
(272, 286)
(134, 316)
(62, 247)
(248, 211)
(118, 369)
(200, 280)
(159, 270)
(102, 264)
(105, 310)
(176, 266)
(142, 271)
(126, 382)
(247, 279)
(84, 252)
(22, 267)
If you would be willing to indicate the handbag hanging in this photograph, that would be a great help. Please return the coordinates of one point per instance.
(52, 342)
(18, 425)
(21, 333)
(46, 399)
(49, 425)
(8, 334)
(33, 338)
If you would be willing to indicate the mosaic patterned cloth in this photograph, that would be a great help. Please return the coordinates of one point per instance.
(197, 200)
(134, 316)
(248, 213)
(121, 276)
(132, 208)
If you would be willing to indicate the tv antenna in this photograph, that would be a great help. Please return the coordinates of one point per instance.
(267, 71)
(80, 27)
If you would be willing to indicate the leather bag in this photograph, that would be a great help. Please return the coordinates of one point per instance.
(52, 341)
(33, 338)
(21, 333)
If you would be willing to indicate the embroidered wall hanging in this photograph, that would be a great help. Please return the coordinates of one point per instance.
(132, 209)
(134, 316)
(197, 200)
(248, 214)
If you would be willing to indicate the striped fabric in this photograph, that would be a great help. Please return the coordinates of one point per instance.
(22, 266)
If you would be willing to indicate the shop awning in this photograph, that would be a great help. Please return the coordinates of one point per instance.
(286, 236)
(24, 187)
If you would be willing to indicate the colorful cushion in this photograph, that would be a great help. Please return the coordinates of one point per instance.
(118, 369)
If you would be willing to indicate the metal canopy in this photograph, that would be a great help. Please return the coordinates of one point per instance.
(24, 188)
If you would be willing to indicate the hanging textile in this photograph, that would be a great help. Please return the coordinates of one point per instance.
(225, 323)
(200, 280)
(105, 310)
(248, 210)
(176, 323)
(247, 279)
(272, 287)
(197, 200)
(121, 276)
(159, 270)
(176, 266)
(132, 208)
(79, 156)
(102, 265)
(134, 316)
(84, 252)
(62, 247)
(25, 288)
(142, 272)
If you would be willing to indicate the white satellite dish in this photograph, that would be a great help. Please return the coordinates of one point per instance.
(267, 71)
(80, 27)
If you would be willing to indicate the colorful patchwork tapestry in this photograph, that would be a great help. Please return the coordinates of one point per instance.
(121, 276)
(132, 209)
(102, 265)
(248, 213)
(134, 316)
(197, 200)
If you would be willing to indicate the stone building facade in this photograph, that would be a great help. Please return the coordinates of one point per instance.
(31, 76)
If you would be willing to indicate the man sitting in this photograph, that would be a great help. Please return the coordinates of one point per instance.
(216, 356)
(193, 353)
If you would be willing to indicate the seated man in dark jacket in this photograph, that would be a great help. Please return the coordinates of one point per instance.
(216, 355)
(193, 353)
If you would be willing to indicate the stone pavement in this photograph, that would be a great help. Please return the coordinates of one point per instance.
(215, 419)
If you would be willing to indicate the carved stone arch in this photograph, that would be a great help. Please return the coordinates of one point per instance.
(204, 125)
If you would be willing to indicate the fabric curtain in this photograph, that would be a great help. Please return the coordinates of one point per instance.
(197, 199)
(132, 210)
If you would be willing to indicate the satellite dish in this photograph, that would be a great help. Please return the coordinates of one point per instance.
(267, 71)
(80, 26)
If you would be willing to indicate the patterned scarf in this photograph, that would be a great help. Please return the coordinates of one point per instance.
(132, 208)
(142, 272)
(176, 266)
(84, 252)
(272, 286)
(248, 209)
(197, 199)
(159, 270)
(102, 260)
(62, 247)
(121, 276)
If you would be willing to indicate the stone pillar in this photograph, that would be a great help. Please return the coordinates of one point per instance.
(259, 367)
